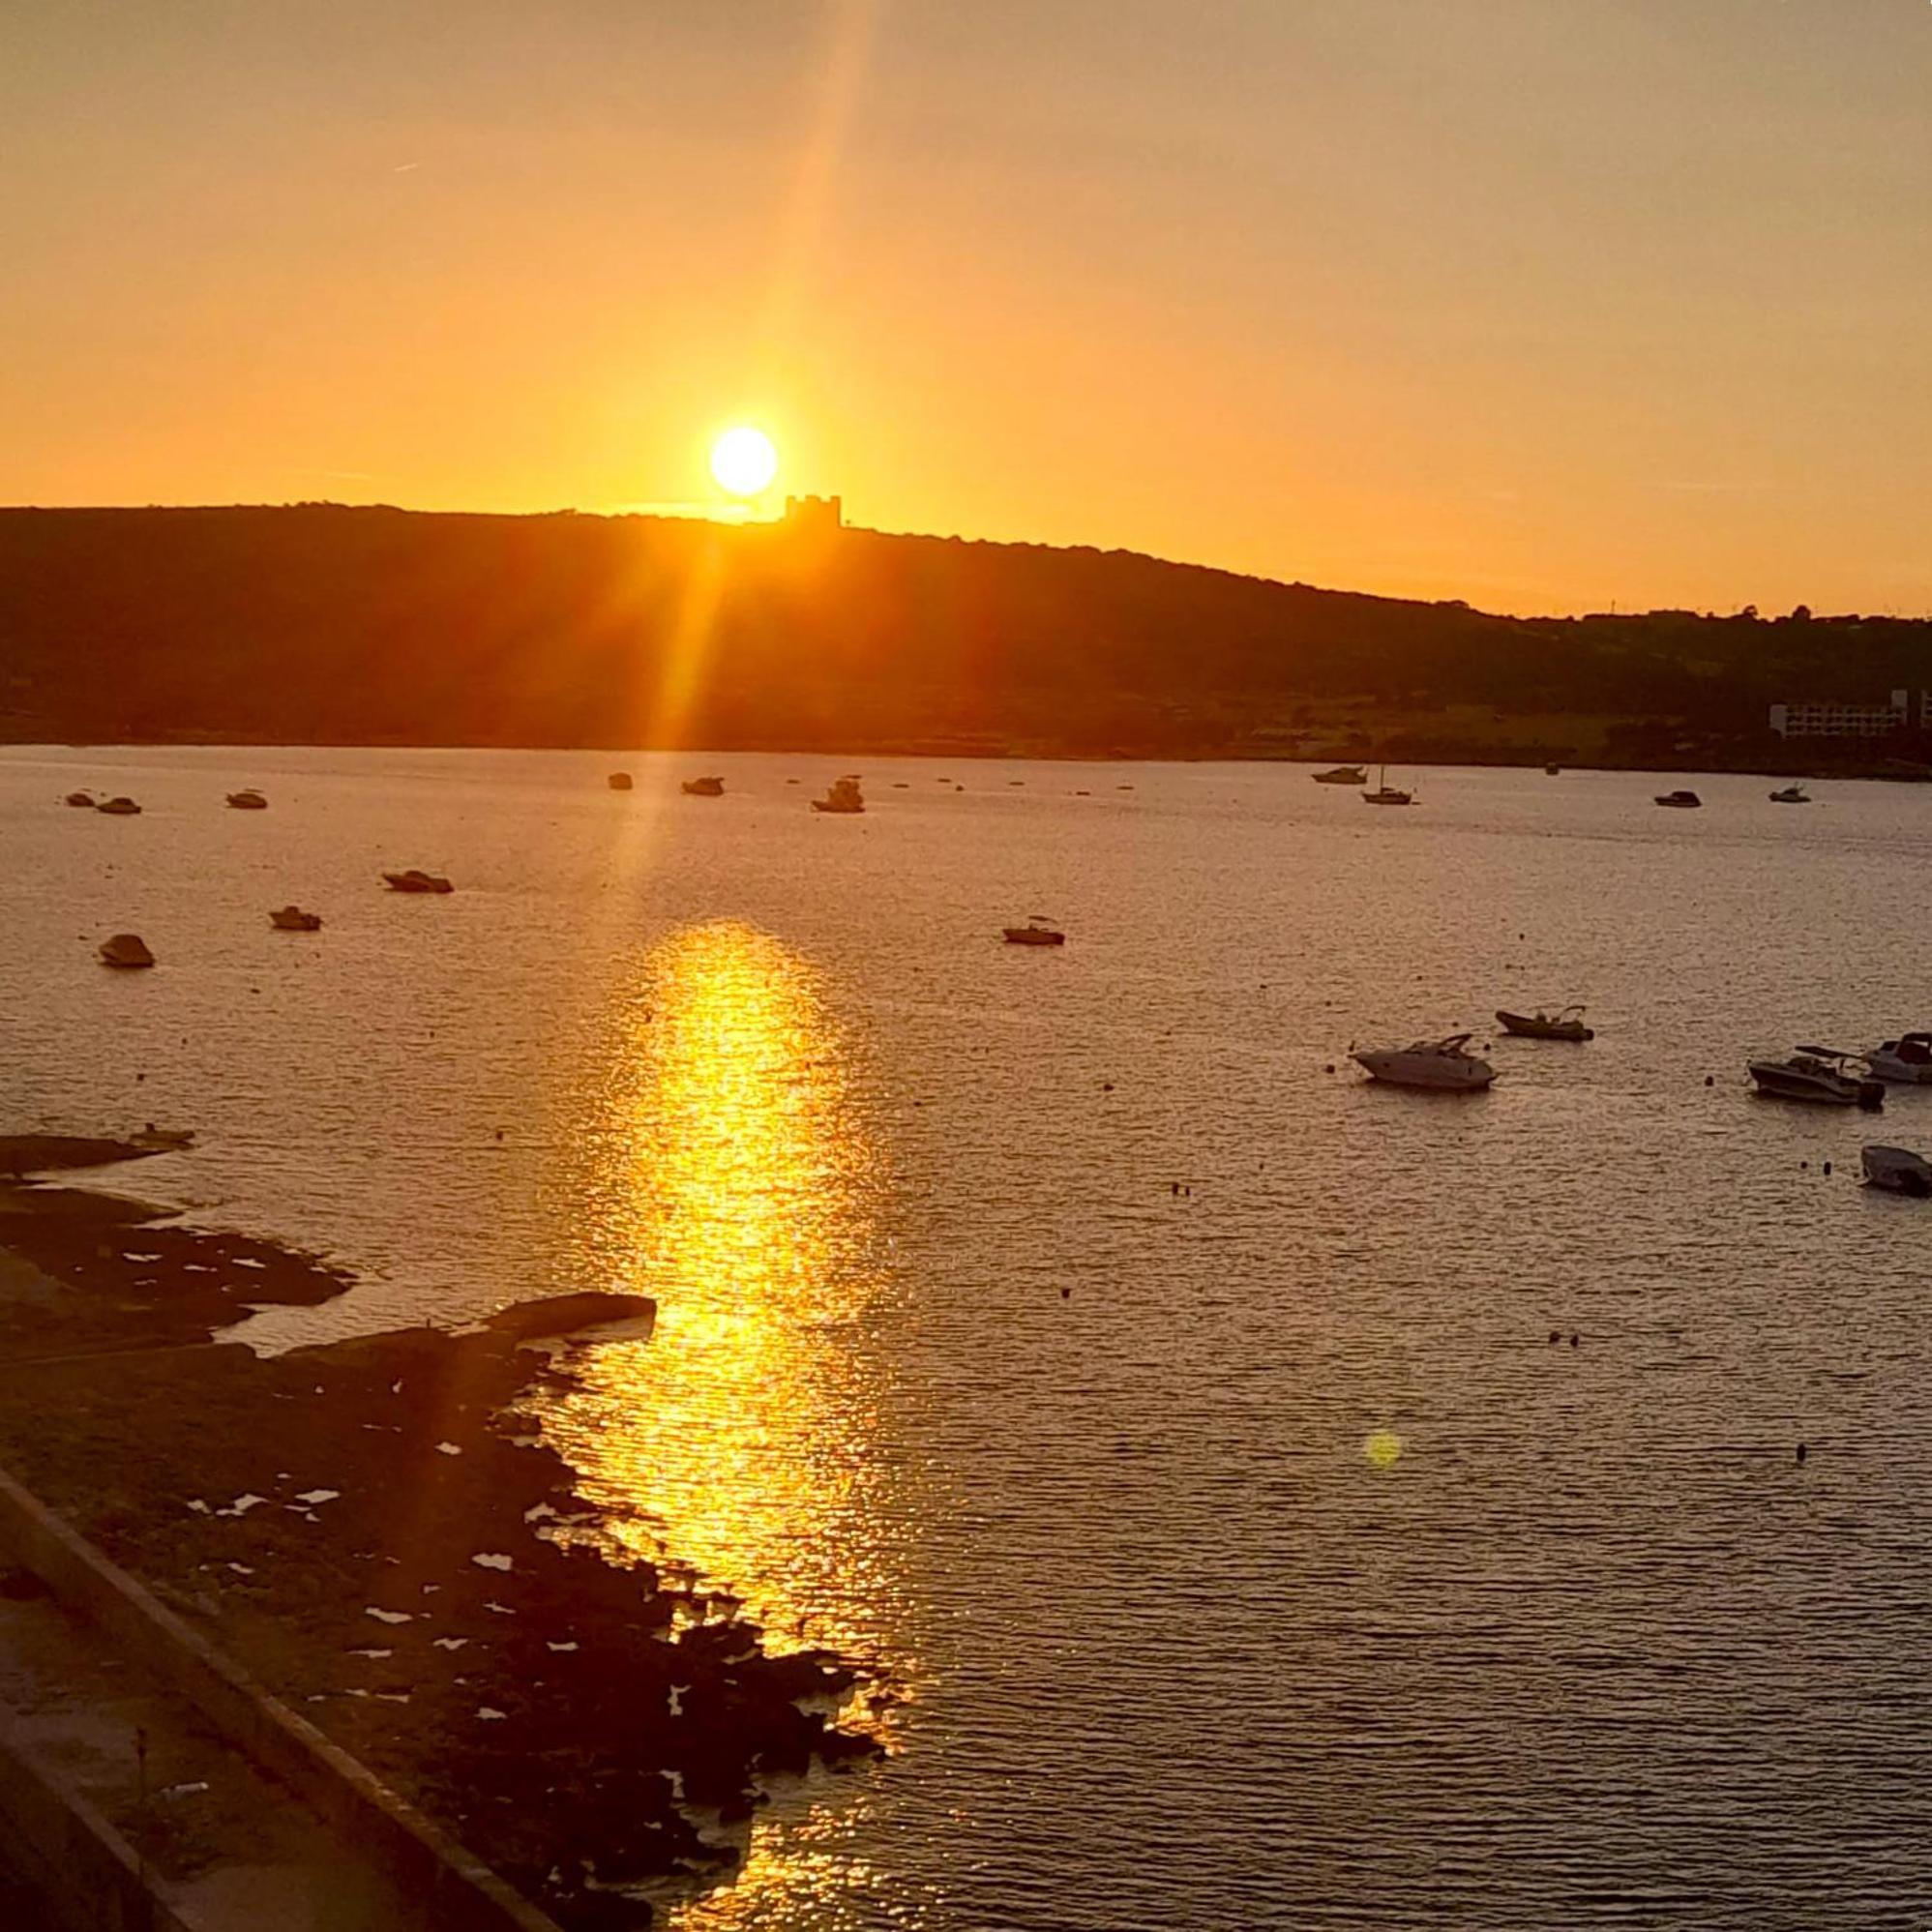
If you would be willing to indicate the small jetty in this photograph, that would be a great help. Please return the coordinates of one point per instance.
(619, 781)
(703, 788)
(845, 797)
(118, 808)
(414, 880)
(292, 919)
(246, 800)
(127, 950)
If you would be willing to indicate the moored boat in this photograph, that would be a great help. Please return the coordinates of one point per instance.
(1681, 801)
(83, 798)
(619, 781)
(414, 880)
(1819, 1074)
(843, 796)
(1906, 1061)
(1565, 1024)
(1343, 774)
(119, 807)
(1897, 1170)
(1038, 930)
(128, 950)
(1444, 1065)
(1385, 793)
(248, 800)
(703, 788)
(292, 919)
(1792, 794)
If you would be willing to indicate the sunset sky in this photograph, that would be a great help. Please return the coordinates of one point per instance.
(1541, 303)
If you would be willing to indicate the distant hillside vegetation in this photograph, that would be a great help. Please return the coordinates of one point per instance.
(321, 624)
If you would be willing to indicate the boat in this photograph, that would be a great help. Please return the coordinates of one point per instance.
(119, 807)
(1565, 1024)
(127, 950)
(1385, 793)
(1906, 1061)
(843, 796)
(1553, 771)
(292, 919)
(1818, 1073)
(1038, 930)
(1342, 774)
(1792, 794)
(704, 787)
(1443, 1064)
(1897, 1170)
(1682, 801)
(247, 801)
(413, 880)
(85, 798)
(619, 781)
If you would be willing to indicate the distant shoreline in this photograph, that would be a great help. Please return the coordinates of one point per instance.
(1703, 760)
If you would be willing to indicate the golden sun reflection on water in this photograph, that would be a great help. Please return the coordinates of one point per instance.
(730, 1176)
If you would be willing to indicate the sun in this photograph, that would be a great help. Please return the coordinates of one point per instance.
(744, 461)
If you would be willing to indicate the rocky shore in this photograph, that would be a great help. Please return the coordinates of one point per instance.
(367, 1529)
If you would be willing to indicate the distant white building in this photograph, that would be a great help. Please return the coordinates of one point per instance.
(1850, 720)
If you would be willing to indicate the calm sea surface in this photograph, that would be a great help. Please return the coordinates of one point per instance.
(1238, 1556)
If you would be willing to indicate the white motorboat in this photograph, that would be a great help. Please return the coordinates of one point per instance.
(1897, 1170)
(1819, 1074)
(1792, 794)
(415, 880)
(1446, 1065)
(1343, 774)
(704, 787)
(1681, 801)
(1906, 1061)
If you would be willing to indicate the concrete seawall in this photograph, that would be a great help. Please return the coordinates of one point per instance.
(87, 1872)
(456, 1892)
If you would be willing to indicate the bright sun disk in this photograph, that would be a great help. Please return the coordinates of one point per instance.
(744, 461)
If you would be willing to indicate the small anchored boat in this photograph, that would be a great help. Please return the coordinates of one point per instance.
(1343, 774)
(1446, 1065)
(1897, 1170)
(1038, 930)
(292, 919)
(845, 797)
(1678, 801)
(119, 807)
(247, 801)
(128, 950)
(1565, 1024)
(1385, 793)
(619, 781)
(414, 880)
(1553, 771)
(703, 788)
(1792, 794)
(1819, 1074)
(1906, 1061)
(83, 798)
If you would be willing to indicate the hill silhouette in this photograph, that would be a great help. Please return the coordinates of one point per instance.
(317, 623)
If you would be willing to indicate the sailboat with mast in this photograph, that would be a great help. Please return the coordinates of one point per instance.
(1385, 793)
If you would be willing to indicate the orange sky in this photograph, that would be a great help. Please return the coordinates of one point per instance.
(1541, 303)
